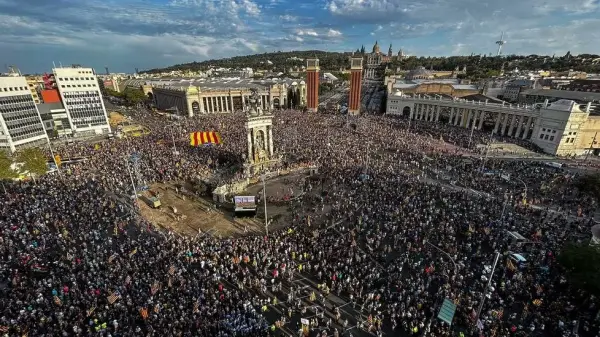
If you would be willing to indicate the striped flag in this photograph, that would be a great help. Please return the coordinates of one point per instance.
(57, 301)
(112, 298)
(172, 270)
(537, 302)
(133, 252)
(91, 311)
(206, 137)
(154, 288)
(3, 328)
(116, 230)
(144, 313)
(112, 258)
(500, 314)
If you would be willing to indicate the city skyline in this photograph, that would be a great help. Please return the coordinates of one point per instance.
(149, 34)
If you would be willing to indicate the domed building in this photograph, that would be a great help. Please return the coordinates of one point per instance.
(420, 73)
(376, 49)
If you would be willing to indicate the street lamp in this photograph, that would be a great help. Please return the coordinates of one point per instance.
(265, 204)
(485, 290)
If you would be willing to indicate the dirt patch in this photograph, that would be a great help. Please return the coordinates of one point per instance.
(200, 215)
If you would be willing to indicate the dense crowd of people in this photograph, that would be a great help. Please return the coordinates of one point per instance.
(403, 219)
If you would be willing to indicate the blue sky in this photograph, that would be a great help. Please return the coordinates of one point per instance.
(125, 34)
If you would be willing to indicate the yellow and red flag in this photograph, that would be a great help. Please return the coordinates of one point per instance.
(206, 137)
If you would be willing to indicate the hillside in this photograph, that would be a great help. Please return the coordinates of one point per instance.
(477, 65)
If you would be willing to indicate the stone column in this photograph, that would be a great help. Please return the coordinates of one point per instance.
(504, 122)
(481, 119)
(519, 126)
(451, 115)
(512, 125)
(426, 114)
(223, 104)
(437, 114)
(231, 102)
(270, 130)
(527, 128)
(459, 116)
(498, 117)
(412, 112)
(467, 123)
(250, 157)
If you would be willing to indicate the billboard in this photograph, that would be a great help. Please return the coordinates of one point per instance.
(245, 203)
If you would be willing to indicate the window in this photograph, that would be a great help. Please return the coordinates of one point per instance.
(553, 131)
(551, 138)
(544, 129)
(542, 136)
(546, 137)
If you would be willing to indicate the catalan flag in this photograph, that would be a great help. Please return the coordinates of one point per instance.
(4, 328)
(206, 137)
(144, 313)
(510, 265)
(91, 311)
(57, 301)
(133, 252)
(537, 303)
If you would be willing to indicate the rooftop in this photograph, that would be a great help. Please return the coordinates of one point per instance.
(583, 96)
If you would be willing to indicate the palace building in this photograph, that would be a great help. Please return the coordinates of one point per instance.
(563, 127)
(191, 97)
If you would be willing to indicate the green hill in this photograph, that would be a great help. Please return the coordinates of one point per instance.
(477, 65)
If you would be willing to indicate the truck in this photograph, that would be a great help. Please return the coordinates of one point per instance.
(150, 200)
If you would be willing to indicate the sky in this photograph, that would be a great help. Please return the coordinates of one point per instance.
(128, 34)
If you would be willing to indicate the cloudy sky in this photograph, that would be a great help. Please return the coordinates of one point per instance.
(125, 34)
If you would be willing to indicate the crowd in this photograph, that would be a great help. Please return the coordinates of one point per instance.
(402, 220)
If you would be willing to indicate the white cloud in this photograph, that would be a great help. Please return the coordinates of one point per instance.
(334, 33)
(288, 18)
(308, 32)
(474, 26)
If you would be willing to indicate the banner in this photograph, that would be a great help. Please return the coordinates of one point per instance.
(244, 203)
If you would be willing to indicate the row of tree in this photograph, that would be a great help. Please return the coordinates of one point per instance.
(332, 61)
(31, 161)
(130, 96)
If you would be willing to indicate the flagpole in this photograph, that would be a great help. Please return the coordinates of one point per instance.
(265, 203)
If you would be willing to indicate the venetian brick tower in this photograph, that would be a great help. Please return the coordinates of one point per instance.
(355, 85)
(312, 84)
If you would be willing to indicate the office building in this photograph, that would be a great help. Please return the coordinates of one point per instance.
(20, 122)
(82, 100)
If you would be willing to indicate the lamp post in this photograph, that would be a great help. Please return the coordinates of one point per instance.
(487, 287)
(594, 142)
(265, 204)
(131, 177)
(455, 273)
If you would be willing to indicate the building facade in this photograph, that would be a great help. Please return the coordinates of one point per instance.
(82, 99)
(36, 84)
(192, 100)
(20, 122)
(560, 128)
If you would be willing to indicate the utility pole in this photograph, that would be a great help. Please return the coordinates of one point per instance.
(54, 158)
(265, 203)
(131, 176)
(487, 287)
(591, 147)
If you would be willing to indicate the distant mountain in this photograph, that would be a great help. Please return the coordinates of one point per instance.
(281, 61)
(478, 66)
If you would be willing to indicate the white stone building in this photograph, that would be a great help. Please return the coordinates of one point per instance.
(564, 127)
(82, 99)
(20, 122)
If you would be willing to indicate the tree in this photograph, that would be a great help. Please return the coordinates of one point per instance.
(134, 96)
(590, 184)
(582, 264)
(6, 171)
(34, 161)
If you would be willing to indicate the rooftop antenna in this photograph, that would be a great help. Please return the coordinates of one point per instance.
(60, 64)
(107, 73)
(500, 43)
(54, 64)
